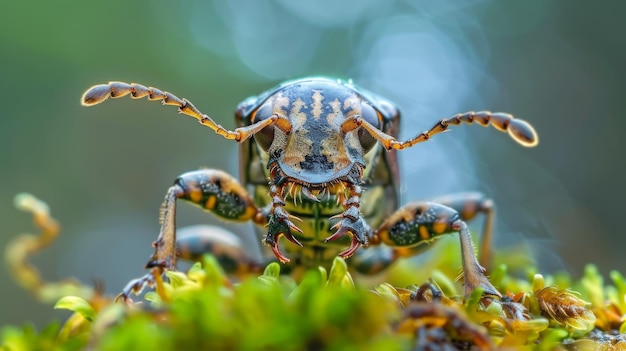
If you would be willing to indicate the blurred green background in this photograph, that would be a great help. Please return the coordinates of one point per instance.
(104, 170)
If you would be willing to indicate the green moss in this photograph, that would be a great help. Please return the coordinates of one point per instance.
(204, 309)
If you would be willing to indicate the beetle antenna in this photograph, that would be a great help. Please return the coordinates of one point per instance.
(521, 131)
(99, 93)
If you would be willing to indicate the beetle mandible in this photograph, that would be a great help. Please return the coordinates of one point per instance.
(313, 151)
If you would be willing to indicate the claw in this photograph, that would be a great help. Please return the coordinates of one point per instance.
(342, 230)
(354, 245)
(135, 287)
(337, 216)
(292, 238)
(273, 244)
(307, 193)
(276, 250)
(272, 241)
(297, 219)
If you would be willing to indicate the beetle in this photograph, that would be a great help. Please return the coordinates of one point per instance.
(321, 152)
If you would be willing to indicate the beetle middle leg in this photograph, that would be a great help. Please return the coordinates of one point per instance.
(415, 226)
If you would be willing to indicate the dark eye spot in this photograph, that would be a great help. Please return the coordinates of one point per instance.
(369, 114)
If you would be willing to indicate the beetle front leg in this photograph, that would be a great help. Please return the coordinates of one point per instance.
(352, 223)
(212, 190)
(279, 224)
(420, 223)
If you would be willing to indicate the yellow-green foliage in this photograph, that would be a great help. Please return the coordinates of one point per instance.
(203, 309)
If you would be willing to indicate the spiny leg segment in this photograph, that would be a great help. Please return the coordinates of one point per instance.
(352, 223)
(280, 224)
(469, 205)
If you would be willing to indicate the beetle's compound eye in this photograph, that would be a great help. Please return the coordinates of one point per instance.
(265, 137)
(370, 115)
